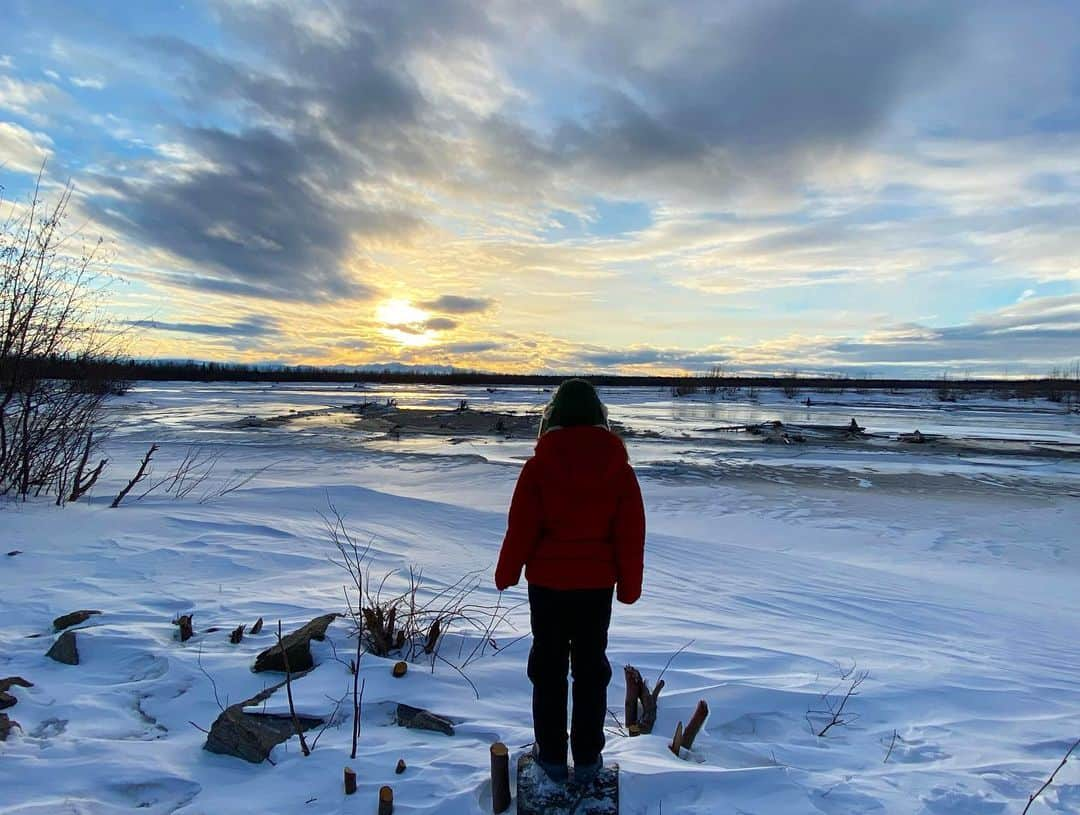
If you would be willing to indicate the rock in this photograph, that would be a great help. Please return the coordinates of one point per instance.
(14, 552)
(7, 700)
(74, 618)
(64, 649)
(5, 726)
(420, 719)
(297, 647)
(252, 736)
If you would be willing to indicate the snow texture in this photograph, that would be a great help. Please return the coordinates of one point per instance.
(949, 573)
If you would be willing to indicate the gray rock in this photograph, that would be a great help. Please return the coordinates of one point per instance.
(64, 649)
(74, 618)
(252, 736)
(420, 719)
(297, 647)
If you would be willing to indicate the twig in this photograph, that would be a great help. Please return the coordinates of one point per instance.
(213, 684)
(139, 476)
(892, 744)
(1050, 780)
(672, 659)
(288, 690)
(203, 729)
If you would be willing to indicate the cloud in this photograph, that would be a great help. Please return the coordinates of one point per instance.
(89, 82)
(22, 151)
(457, 304)
(254, 327)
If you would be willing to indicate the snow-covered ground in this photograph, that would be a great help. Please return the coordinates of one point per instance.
(949, 574)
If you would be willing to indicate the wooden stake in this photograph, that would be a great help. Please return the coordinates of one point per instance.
(350, 781)
(701, 713)
(500, 777)
(386, 801)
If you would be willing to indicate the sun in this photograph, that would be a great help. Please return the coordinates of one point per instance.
(399, 312)
(404, 323)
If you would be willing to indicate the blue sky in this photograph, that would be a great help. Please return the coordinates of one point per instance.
(829, 185)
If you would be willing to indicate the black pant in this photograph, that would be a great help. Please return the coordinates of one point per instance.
(569, 630)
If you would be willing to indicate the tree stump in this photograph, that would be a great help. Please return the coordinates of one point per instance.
(187, 630)
(640, 708)
(500, 777)
(401, 767)
(350, 781)
(386, 801)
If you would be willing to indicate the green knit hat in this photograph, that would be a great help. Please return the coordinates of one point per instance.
(574, 403)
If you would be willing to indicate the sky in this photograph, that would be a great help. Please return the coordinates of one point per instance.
(827, 186)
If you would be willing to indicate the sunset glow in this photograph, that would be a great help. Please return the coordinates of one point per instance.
(840, 187)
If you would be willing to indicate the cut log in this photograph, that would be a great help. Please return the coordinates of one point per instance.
(386, 801)
(500, 777)
(350, 781)
(420, 719)
(400, 669)
(701, 713)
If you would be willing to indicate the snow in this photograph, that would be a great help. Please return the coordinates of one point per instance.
(950, 577)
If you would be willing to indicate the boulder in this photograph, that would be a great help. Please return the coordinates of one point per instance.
(64, 649)
(297, 647)
(74, 618)
(252, 736)
(420, 719)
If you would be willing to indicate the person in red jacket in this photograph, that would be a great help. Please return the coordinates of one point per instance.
(577, 527)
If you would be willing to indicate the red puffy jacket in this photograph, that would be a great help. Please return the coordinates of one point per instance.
(576, 520)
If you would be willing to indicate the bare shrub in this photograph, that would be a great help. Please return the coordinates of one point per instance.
(405, 616)
(835, 712)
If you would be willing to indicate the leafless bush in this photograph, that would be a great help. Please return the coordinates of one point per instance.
(50, 295)
(403, 615)
(835, 712)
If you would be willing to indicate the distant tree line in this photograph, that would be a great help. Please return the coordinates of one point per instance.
(111, 375)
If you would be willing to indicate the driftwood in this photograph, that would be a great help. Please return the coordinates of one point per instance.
(641, 703)
(139, 476)
(684, 738)
(500, 777)
(350, 781)
(74, 618)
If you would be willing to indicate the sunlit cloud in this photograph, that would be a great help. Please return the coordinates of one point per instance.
(565, 186)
